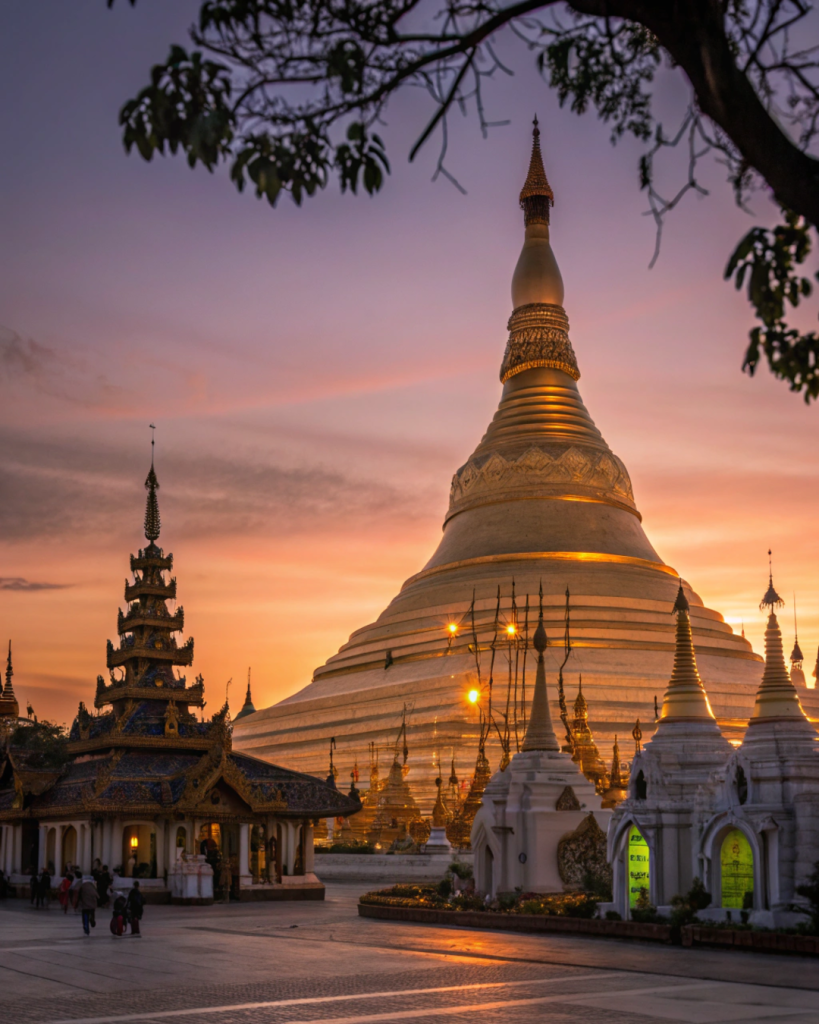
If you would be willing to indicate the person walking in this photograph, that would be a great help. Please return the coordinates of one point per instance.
(134, 908)
(44, 889)
(34, 887)
(62, 892)
(118, 916)
(104, 884)
(87, 902)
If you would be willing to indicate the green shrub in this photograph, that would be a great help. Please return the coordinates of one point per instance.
(445, 888)
(685, 907)
(463, 871)
(645, 912)
(810, 890)
(612, 915)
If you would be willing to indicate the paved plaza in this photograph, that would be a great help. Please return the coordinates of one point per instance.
(320, 963)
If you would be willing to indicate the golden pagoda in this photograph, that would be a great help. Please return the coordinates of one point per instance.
(541, 496)
(585, 753)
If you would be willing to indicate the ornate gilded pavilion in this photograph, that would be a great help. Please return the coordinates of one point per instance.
(144, 783)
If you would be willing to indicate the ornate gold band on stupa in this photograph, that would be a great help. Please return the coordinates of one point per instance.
(538, 336)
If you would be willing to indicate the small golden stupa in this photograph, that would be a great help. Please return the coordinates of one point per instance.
(459, 829)
(618, 786)
(585, 753)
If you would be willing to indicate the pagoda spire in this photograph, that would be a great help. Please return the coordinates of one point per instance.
(540, 734)
(248, 706)
(776, 697)
(536, 196)
(8, 690)
(538, 327)
(9, 708)
(685, 697)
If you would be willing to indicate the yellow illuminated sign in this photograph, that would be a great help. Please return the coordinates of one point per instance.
(737, 869)
(638, 865)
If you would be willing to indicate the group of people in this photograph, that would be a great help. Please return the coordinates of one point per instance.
(87, 893)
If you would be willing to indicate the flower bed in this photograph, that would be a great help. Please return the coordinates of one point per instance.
(517, 922)
(439, 897)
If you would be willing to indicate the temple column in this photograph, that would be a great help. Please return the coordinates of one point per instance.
(287, 852)
(309, 862)
(96, 842)
(85, 846)
(58, 849)
(18, 849)
(116, 845)
(245, 877)
(161, 844)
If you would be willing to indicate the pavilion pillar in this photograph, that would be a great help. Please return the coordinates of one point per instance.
(84, 842)
(96, 843)
(58, 848)
(161, 846)
(18, 849)
(245, 878)
(307, 834)
(116, 846)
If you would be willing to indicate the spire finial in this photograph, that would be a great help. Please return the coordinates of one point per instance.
(685, 697)
(539, 732)
(152, 520)
(771, 599)
(9, 690)
(536, 196)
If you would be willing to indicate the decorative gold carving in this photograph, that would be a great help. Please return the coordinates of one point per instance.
(567, 801)
(105, 775)
(538, 336)
(582, 853)
(171, 719)
(527, 475)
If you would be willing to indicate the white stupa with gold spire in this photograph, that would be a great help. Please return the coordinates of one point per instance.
(542, 497)
(673, 783)
(529, 807)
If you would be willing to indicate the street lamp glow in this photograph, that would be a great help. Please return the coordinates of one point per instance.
(472, 696)
(452, 628)
(511, 629)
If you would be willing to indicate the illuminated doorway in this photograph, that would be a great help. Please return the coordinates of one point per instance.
(736, 870)
(69, 847)
(637, 865)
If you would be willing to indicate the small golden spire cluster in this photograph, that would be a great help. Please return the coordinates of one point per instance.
(540, 734)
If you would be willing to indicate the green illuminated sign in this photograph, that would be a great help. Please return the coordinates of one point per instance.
(737, 866)
(637, 865)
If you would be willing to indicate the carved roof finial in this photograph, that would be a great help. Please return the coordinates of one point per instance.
(536, 196)
(797, 657)
(9, 689)
(152, 521)
(685, 696)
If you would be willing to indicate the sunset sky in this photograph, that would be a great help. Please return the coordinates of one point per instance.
(316, 375)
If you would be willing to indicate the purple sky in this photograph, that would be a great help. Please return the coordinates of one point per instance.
(316, 375)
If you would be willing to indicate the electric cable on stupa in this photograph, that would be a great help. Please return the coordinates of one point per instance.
(189, 799)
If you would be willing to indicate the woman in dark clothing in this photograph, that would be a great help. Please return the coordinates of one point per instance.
(44, 889)
(133, 909)
(118, 917)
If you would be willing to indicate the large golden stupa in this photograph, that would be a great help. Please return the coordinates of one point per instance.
(541, 499)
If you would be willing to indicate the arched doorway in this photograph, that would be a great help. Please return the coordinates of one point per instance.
(736, 870)
(139, 851)
(638, 862)
(69, 848)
